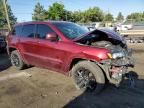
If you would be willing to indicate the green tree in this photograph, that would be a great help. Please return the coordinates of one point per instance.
(78, 16)
(136, 16)
(56, 12)
(39, 13)
(93, 15)
(12, 18)
(143, 14)
(120, 17)
(108, 17)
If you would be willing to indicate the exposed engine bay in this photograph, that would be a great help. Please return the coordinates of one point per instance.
(99, 38)
(121, 58)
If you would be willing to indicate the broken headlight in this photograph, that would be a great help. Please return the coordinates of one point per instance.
(118, 55)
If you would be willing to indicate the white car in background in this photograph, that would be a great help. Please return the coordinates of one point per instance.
(124, 27)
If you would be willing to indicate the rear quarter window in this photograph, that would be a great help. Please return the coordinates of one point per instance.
(17, 31)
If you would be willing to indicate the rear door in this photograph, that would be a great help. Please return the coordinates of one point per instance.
(13, 37)
(50, 56)
(28, 43)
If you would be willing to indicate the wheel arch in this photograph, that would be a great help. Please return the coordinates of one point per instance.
(10, 49)
(76, 60)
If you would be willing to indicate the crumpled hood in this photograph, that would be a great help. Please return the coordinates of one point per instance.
(110, 33)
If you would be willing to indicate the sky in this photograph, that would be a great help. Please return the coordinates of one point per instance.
(23, 9)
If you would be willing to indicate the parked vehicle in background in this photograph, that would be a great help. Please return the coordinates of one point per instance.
(134, 39)
(99, 25)
(105, 26)
(3, 33)
(91, 28)
(88, 57)
(124, 26)
(2, 43)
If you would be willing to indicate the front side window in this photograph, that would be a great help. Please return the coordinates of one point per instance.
(28, 30)
(42, 30)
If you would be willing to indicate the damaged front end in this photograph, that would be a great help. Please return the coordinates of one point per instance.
(117, 66)
(119, 56)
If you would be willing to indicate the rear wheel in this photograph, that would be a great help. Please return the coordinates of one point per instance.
(88, 76)
(16, 60)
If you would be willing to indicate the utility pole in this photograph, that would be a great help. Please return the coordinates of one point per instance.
(7, 16)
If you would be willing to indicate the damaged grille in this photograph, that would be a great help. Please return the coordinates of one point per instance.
(125, 61)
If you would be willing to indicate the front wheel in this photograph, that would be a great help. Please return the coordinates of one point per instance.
(88, 76)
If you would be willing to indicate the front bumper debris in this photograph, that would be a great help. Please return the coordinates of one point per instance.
(116, 68)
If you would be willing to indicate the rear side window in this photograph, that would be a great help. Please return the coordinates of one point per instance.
(28, 30)
(17, 31)
(42, 30)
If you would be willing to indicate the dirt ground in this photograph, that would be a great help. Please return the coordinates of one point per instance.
(42, 88)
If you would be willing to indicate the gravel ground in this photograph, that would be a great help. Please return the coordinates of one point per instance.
(42, 88)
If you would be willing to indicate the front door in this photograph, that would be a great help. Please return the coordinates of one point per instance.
(50, 54)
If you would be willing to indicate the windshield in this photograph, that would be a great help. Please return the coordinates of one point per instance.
(70, 30)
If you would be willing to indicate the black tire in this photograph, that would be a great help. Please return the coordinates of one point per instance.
(96, 84)
(16, 60)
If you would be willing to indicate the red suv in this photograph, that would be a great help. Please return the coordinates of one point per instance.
(90, 58)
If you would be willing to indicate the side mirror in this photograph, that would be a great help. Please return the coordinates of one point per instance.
(51, 36)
